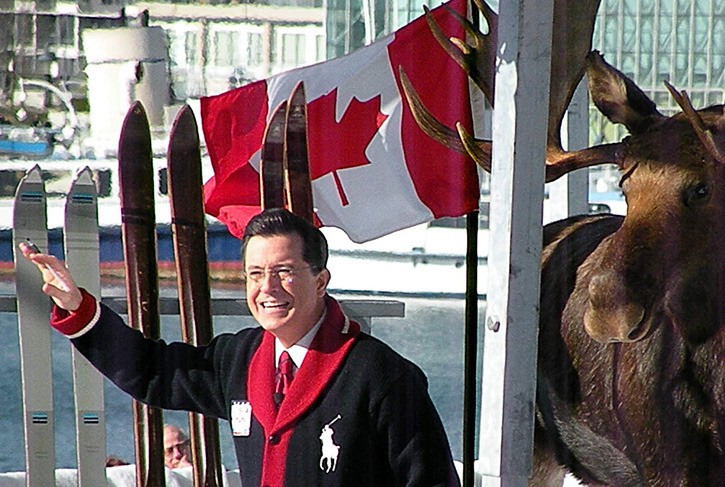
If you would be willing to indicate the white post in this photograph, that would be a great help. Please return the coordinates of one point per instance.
(517, 189)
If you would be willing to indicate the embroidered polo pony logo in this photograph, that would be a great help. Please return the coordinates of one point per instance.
(330, 451)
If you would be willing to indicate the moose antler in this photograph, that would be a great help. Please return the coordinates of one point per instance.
(458, 140)
(479, 60)
(703, 133)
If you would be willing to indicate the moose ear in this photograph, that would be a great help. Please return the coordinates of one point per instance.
(618, 98)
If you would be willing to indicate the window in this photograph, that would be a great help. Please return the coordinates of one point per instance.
(255, 49)
(102, 178)
(163, 175)
(292, 50)
(191, 41)
(25, 31)
(298, 46)
(66, 26)
(320, 47)
(57, 182)
(226, 49)
(45, 32)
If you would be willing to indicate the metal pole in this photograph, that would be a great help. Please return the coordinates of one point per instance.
(470, 347)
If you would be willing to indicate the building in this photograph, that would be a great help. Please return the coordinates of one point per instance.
(649, 40)
(212, 47)
(41, 42)
(354, 23)
(656, 40)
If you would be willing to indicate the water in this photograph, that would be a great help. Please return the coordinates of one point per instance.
(431, 335)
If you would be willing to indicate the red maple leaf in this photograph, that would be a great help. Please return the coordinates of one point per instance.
(341, 145)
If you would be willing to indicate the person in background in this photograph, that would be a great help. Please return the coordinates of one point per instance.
(177, 453)
(311, 400)
(115, 462)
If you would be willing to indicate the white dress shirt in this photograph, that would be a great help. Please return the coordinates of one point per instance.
(298, 351)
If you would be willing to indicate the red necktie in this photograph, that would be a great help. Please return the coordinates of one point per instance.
(284, 376)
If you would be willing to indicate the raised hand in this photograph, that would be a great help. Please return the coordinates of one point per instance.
(59, 284)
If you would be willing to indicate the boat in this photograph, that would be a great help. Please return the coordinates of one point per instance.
(26, 142)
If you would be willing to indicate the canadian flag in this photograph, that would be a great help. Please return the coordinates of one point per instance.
(373, 170)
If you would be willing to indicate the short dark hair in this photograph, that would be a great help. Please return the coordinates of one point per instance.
(278, 221)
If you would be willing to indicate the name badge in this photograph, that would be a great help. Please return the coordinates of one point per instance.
(241, 418)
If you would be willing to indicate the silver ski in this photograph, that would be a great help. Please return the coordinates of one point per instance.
(30, 222)
(83, 259)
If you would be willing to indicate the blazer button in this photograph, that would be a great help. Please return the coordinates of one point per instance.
(273, 439)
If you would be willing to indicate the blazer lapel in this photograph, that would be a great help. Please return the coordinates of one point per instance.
(260, 386)
(324, 358)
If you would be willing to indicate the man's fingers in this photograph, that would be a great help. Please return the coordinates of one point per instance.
(58, 283)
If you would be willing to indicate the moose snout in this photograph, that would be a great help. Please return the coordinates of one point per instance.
(612, 313)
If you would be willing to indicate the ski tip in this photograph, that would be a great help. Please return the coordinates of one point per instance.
(298, 97)
(185, 120)
(134, 142)
(184, 154)
(83, 178)
(297, 112)
(30, 193)
(81, 209)
(136, 109)
(278, 113)
(275, 130)
(184, 132)
(33, 174)
(135, 116)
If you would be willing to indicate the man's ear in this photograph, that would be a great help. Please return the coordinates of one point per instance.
(323, 279)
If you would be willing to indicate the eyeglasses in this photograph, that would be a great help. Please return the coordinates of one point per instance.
(282, 273)
(181, 446)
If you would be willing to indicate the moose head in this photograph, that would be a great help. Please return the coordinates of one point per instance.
(666, 260)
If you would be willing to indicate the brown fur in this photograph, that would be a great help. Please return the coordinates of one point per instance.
(632, 333)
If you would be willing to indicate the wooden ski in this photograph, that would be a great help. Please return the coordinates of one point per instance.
(138, 227)
(188, 224)
(272, 164)
(298, 187)
(30, 223)
(285, 172)
(82, 258)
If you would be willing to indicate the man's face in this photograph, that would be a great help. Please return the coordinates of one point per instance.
(176, 450)
(285, 296)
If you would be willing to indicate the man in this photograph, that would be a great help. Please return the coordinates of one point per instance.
(176, 447)
(310, 399)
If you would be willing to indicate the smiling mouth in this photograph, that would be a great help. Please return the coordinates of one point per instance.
(272, 306)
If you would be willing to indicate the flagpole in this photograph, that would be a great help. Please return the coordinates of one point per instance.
(470, 347)
(471, 332)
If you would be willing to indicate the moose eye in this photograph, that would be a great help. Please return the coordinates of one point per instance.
(697, 194)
